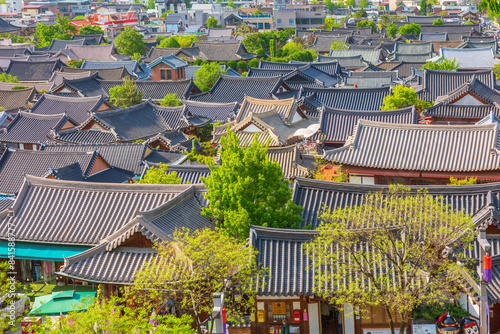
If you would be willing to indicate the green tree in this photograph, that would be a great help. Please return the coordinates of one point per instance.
(254, 63)
(460, 182)
(8, 289)
(207, 75)
(272, 47)
(232, 64)
(75, 63)
(437, 22)
(125, 95)
(423, 7)
(242, 65)
(159, 175)
(496, 70)
(403, 97)
(151, 4)
(212, 22)
(411, 28)
(91, 30)
(329, 6)
(170, 42)
(4, 77)
(392, 30)
(192, 268)
(248, 189)
(170, 100)
(367, 23)
(63, 29)
(339, 46)
(19, 87)
(350, 3)
(80, 17)
(130, 42)
(399, 262)
(257, 12)
(468, 22)
(363, 4)
(360, 14)
(230, 4)
(384, 21)
(197, 62)
(442, 65)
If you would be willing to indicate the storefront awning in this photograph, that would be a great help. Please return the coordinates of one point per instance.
(40, 251)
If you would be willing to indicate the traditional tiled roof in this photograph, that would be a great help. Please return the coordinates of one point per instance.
(439, 83)
(39, 86)
(117, 73)
(132, 66)
(126, 156)
(268, 72)
(57, 77)
(399, 147)
(90, 39)
(337, 125)
(82, 87)
(6, 27)
(323, 44)
(472, 58)
(165, 157)
(33, 128)
(5, 119)
(14, 165)
(413, 48)
(59, 44)
(13, 51)
(14, 100)
(221, 112)
(234, 89)
(289, 158)
(93, 52)
(455, 31)
(330, 67)
(286, 108)
(170, 60)
(111, 262)
(225, 51)
(156, 90)
(111, 207)
(405, 69)
(190, 174)
(33, 70)
(422, 19)
(411, 57)
(345, 98)
(433, 36)
(371, 56)
(77, 108)
(157, 52)
(350, 62)
(371, 79)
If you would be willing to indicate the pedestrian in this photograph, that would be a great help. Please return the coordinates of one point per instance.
(286, 327)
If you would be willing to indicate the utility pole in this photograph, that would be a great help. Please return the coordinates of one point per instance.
(218, 314)
(485, 248)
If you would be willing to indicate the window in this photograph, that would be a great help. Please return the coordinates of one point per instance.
(63, 9)
(165, 74)
(279, 22)
(290, 22)
(162, 72)
(169, 75)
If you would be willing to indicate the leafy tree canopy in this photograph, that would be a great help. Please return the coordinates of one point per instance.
(403, 97)
(459, 182)
(423, 7)
(230, 4)
(442, 65)
(363, 4)
(260, 40)
(392, 30)
(339, 46)
(125, 95)
(350, 3)
(207, 75)
(91, 30)
(360, 14)
(248, 189)
(178, 41)
(411, 28)
(63, 29)
(4, 77)
(212, 22)
(257, 12)
(130, 42)
(401, 255)
(159, 175)
(437, 22)
(367, 23)
(170, 100)
(75, 63)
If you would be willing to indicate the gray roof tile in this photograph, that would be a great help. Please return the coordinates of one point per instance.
(33, 70)
(345, 98)
(14, 100)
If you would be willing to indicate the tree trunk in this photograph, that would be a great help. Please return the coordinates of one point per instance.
(391, 322)
(402, 327)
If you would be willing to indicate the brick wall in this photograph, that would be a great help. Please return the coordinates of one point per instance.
(177, 74)
(239, 330)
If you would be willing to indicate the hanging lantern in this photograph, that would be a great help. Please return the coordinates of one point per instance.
(487, 268)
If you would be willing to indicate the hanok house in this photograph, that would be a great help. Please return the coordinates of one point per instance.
(469, 103)
(14, 100)
(291, 279)
(168, 68)
(385, 153)
(130, 216)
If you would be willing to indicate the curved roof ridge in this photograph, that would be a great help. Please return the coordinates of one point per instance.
(231, 77)
(368, 112)
(169, 205)
(70, 98)
(424, 127)
(41, 116)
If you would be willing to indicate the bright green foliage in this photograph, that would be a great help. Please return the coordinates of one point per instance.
(3, 2)
(19, 87)
(232, 64)
(7, 291)
(61, 30)
(241, 65)
(468, 22)
(442, 65)
(272, 47)
(392, 246)
(130, 42)
(329, 6)
(4, 77)
(257, 12)
(460, 182)
(437, 22)
(113, 316)
(197, 62)
(496, 70)
(170, 100)
(159, 175)
(339, 46)
(367, 23)
(254, 63)
(248, 189)
(75, 63)
(360, 14)
(136, 56)
(392, 30)
(363, 4)
(411, 28)
(196, 265)
(423, 7)
(207, 75)
(151, 4)
(350, 3)
(296, 51)
(330, 23)
(260, 40)
(492, 8)
(178, 41)
(126, 95)
(403, 97)
(432, 311)
(91, 30)
(230, 4)
(261, 53)
(79, 17)
(212, 22)
(16, 38)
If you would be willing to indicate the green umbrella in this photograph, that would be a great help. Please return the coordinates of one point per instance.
(61, 302)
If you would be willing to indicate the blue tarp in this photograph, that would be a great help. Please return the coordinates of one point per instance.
(40, 251)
